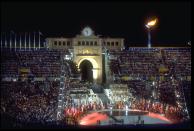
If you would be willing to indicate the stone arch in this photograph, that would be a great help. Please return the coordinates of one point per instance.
(86, 69)
(94, 64)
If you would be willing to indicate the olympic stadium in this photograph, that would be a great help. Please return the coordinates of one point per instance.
(90, 80)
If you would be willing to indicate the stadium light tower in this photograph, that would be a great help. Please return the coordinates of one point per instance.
(149, 25)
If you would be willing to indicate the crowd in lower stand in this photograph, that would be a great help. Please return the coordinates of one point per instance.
(168, 68)
(35, 101)
(29, 102)
(173, 113)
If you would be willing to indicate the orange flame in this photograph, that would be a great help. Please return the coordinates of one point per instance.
(152, 23)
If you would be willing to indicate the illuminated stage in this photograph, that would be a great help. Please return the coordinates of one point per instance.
(123, 117)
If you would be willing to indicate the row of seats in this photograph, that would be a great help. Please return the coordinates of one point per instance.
(148, 63)
(40, 63)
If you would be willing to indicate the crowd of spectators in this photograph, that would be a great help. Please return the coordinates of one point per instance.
(135, 62)
(146, 63)
(178, 60)
(40, 63)
(137, 67)
(9, 64)
(174, 113)
(36, 101)
(29, 102)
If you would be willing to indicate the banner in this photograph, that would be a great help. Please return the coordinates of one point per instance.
(163, 69)
(24, 70)
(125, 78)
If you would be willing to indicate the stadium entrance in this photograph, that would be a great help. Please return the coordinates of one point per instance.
(88, 46)
(86, 71)
(89, 69)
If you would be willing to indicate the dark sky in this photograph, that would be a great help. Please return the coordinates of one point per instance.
(113, 19)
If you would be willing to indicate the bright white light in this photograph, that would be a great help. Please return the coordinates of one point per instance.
(95, 74)
(94, 63)
(67, 57)
(126, 107)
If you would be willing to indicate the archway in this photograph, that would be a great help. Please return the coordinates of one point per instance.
(86, 70)
(95, 70)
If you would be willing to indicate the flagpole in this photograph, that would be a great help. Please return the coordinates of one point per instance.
(5, 41)
(29, 41)
(39, 38)
(1, 41)
(20, 41)
(15, 41)
(34, 39)
(10, 40)
(25, 41)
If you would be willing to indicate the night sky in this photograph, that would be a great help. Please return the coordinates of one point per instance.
(109, 19)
